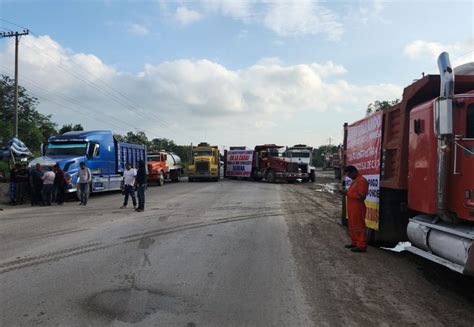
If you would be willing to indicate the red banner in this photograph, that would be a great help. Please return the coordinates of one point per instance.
(364, 145)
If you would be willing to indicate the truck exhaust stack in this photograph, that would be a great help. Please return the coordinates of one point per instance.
(439, 238)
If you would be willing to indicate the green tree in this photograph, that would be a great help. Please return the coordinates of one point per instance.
(34, 128)
(137, 138)
(319, 155)
(381, 105)
(69, 128)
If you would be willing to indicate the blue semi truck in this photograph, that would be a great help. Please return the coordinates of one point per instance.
(99, 150)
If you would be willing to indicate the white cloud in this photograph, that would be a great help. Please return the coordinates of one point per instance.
(293, 18)
(138, 29)
(366, 11)
(187, 99)
(240, 9)
(459, 52)
(287, 18)
(186, 16)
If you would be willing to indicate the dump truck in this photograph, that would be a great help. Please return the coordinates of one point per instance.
(302, 155)
(163, 166)
(264, 162)
(418, 158)
(205, 163)
(102, 153)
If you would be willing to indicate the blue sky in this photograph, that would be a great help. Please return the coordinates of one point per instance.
(316, 63)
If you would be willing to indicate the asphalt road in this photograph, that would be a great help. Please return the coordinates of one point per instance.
(232, 253)
(218, 255)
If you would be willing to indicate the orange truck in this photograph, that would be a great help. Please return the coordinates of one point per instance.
(163, 166)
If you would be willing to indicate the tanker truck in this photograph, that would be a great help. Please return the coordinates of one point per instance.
(162, 166)
(418, 158)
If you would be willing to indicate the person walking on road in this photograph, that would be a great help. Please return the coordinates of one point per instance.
(48, 181)
(36, 185)
(129, 176)
(84, 180)
(141, 185)
(356, 209)
(59, 185)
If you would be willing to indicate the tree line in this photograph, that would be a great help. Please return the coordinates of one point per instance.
(34, 128)
(156, 144)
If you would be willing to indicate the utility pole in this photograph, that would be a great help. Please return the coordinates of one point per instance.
(17, 41)
(329, 141)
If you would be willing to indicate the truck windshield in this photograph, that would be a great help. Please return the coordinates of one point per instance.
(155, 157)
(273, 152)
(61, 149)
(202, 152)
(300, 154)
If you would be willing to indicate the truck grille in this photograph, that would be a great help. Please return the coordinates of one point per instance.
(303, 167)
(202, 166)
(293, 167)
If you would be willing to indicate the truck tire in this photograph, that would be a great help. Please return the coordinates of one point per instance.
(312, 176)
(161, 179)
(190, 179)
(270, 176)
(175, 176)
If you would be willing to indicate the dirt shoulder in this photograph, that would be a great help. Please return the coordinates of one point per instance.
(377, 288)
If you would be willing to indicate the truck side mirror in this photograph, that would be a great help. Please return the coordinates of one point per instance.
(96, 152)
(443, 111)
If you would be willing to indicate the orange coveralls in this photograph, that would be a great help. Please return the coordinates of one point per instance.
(356, 211)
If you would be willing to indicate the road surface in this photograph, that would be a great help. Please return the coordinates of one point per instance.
(232, 253)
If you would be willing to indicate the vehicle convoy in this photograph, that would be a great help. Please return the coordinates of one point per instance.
(162, 166)
(302, 155)
(99, 150)
(205, 163)
(418, 157)
(264, 162)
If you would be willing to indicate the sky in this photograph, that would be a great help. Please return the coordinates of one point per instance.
(241, 72)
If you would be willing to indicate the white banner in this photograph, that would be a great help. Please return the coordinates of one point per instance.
(239, 163)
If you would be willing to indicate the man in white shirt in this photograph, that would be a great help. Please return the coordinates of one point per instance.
(129, 176)
(84, 178)
(48, 181)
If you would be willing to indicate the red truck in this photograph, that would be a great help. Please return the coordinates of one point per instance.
(418, 157)
(264, 162)
(162, 166)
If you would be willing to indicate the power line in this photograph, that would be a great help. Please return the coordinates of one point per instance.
(17, 36)
(94, 85)
(100, 89)
(70, 100)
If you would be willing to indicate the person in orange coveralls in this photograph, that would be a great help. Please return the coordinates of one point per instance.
(356, 195)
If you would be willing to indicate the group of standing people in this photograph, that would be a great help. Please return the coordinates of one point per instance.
(42, 187)
(134, 180)
(45, 187)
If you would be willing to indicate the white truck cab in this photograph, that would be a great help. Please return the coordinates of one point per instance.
(302, 154)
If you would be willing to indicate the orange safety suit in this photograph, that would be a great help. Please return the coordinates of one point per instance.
(356, 211)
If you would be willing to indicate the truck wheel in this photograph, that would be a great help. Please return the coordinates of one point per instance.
(175, 176)
(190, 179)
(161, 179)
(270, 177)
